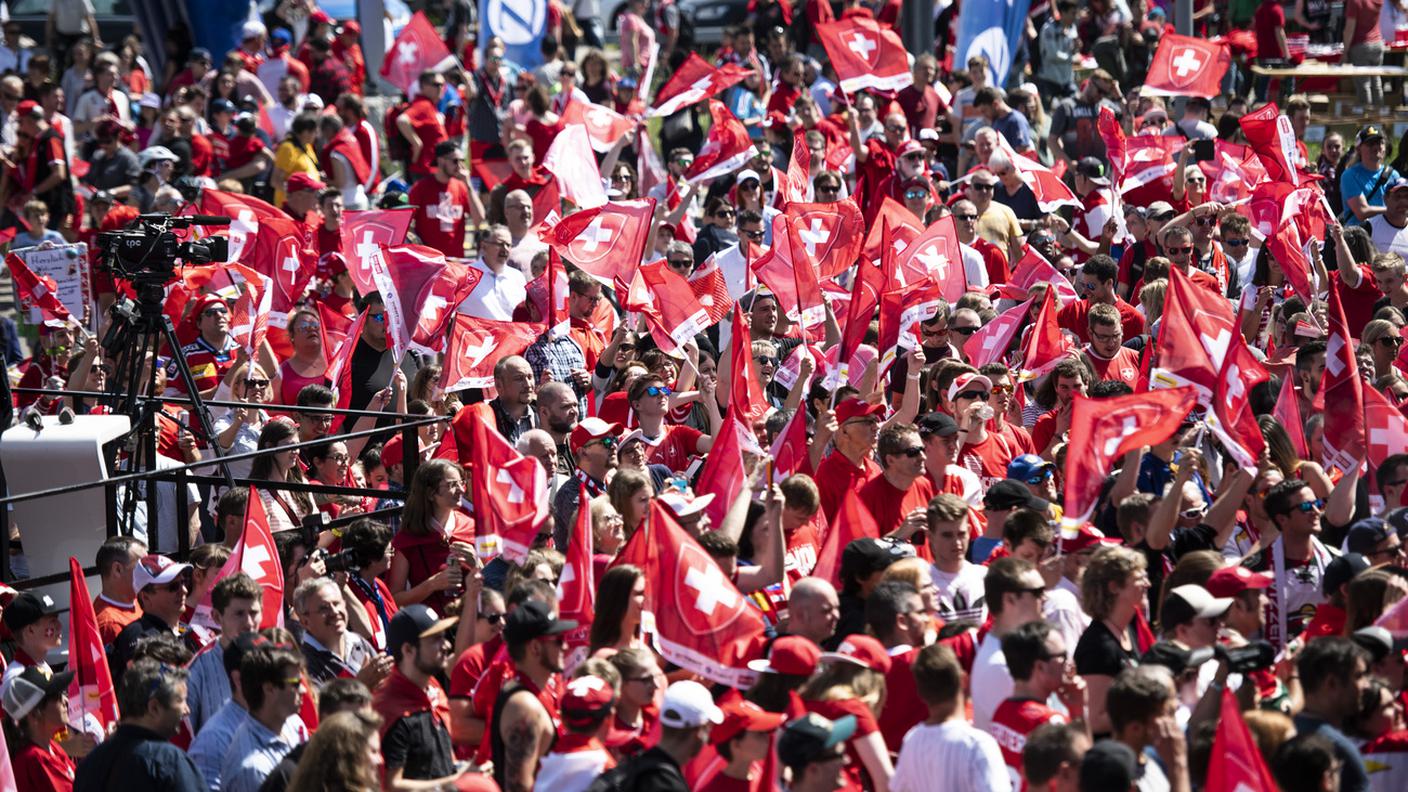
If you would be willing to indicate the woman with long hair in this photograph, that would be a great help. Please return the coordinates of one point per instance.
(630, 493)
(433, 532)
(295, 154)
(309, 363)
(1369, 594)
(237, 431)
(1112, 592)
(40, 763)
(331, 464)
(852, 682)
(1283, 455)
(623, 180)
(619, 600)
(344, 755)
(286, 509)
(596, 80)
(1259, 304)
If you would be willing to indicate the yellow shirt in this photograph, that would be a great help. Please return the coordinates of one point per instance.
(999, 225)
(291, 159)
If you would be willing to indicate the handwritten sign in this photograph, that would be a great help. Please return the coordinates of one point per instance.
(68, 266)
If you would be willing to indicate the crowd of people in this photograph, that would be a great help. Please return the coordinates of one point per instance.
(934, 608)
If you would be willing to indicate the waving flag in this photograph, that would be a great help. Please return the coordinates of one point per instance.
(576, 588)
(607, 242)
(92, 699)
(870, 283)
(1344, 395)
(245, 213)
(510, 494)
(1287, 412)
(990, 343)
(1051, 193)
(989, 29)
(604, 125)
(746, 398)
(1031, 269)
(249, 318)
(363, 234)
(902, 311)
(1232, 419)
(727, 146)
(340, 366)
(417, 49)
(38, 291)
(865, 54)
(853, 521)
(255, 555)
(1194, 335)
(723, 475)
(474, 346)
(693, 82)
(1385, 428)
(827, 236)
(1236, 762)
(1047, 346)
(789, 450)
(1269, 133)
(571, 161)
(710, 287)
(429, 287)
(1149, 163)
(668, 303)
(1184, 66)
(904, 228)
(1116, 148)
(935, 254)
(796, 289)
(1102, 430)
(799, 170)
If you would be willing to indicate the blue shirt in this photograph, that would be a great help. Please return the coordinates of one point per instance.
(254, 752)
(1357, 180)
(1015, 128)
(208, 688)
(208, 748)
(1353, 777)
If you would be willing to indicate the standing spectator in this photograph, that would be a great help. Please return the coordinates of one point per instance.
(1073, 134)
(271, 679)
(897, 498)
(152, 699)
(1295, 511)
(1040, 666)
(1112, 590)
(237, 602)
(415, 733)
(102, 101)
(1364, 46)
(116, 604)
(420, 124)
(1334, 677)
(501, 288)
(1141, 704)
(1051, 758)
(946, 751)
(161, 585)
(1059, 46)
(992, 106)
(687, 713)
(1390, 229)
(1014, 591)
(920, 102)
(523, 726)
(45, 176)
(37, 704)
(443, 201)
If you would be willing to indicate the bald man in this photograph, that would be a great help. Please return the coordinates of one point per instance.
(813, 609)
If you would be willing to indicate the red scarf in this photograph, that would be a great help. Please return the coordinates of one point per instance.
(345, 143)
(399, 697)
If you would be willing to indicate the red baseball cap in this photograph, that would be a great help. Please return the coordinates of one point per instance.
(302, 181)
(591, 429)
(791, 654)
(27, 107)
(320, 16)
(391, 452)
(861, 650)
(1233, 580)
(909, 147)
(1087, 536)
(584, 700)
(741, 716)
(853, 408)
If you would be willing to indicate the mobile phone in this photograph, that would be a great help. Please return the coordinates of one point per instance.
(1204, 150)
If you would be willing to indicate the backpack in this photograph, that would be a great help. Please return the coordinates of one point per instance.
(622, 777)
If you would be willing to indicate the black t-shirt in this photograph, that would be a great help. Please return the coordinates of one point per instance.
(1181, 542)
(1099, 652)
(371, 372)
(1023, 204)
(655, 771)
(420, 745)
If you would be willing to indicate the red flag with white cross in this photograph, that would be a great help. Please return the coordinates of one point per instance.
(865, 54)
(1344, 395)
(1385, 428)
(510, 495)
(255, 555)
(935, 254)
(1184, 66)
(693, 82)
(362, 235)
(828, 235)
(606, 242)
(1232, 418)
(418, 48)
(475, 345)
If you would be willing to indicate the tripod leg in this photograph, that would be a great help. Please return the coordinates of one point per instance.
(198, 410)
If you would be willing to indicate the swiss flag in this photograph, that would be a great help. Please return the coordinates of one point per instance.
(1233, 422)
(796, 289)
(723, 475)
(606, 242)
(570, 160)
(340, 365)
(901, 313)
(871, 281)
(245, 212)
(790, 452)
(363, 234)
(1232, 173)
(1287, 412)
(576, 588)
(92, 699)
(934, 254)
(826, 236)
(249, 317)
(38, 291)
(1236, 762)
(510, 495)
(727, 147)
(604, 125)
(1385, 428)
(1194, 335)
(547, 294)
(1047, 346)
(1184, 66)
(418, 48)
(799, 170)
(1150, 161)
(853, 521)
(991, 343)
(668, 304)
(1344, 395)
(904, 228)
(1269, 133)
(280, 253)
(255, 555)
(1102, 430)
(865, 54)
(700, 620)
(710, 287)
(430, 287)
(1116, 147)
(1289, 217)
(746, 398)
(1051, 193)
(474, 346)
(693, 82)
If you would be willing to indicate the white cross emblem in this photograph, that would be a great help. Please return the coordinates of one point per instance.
(434, 304)
(1187, 62)
(712, 591)
(1235, 389)
(861, 45)
(479, 351)
(1216, 345)
(990, 341)
(583, 685)
(290, 265)
(515, 492)
(448, 212)
(1333, 360)
(366, 249)
(1378, 438)
(594, 235)
(814, 236)
(1127, 425)
(409, 52)
(255, 557)
(599, 118)
(934, 261)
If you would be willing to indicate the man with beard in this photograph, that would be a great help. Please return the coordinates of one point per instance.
(558, 412)
(415, 742)
(524, 730)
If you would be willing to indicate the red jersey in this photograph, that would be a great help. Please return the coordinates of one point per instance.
(904, 709)
(783, 97)
(1358, 302)
(425, 120)
(41, 769)
(836, 474)
(677, 446)
(1017, 436)
(113, 616)
(994, 260)
(803, 545)
(1075, 316)
(988, 460)
(471, 665)
(1123, 367)
(1043, 430)
(889, 505)
(440, 212)
(853, 775)
(1012, 721)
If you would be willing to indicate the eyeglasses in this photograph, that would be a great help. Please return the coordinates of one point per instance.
(967, 331)
(308, 326)
(828, 190)
(257, 383)
(914, 452)
(1107, 338)
(215, 311)
(971, 395)
(916, 195)
(492, 618)
(1057, 656)
(1039, 592)
(379, 318)
(725, 212)
(1002, 388)
(291, 682)
(679, 263)
(1196, 181)
(1311, 505)
(1178, 251)
(1235, 243)
(765, 360)
(591, 298)
(646, 680)
(658, 390)
(967, 218)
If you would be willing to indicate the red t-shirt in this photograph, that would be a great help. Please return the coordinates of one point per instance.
(1043, 430)
(242, 150)
(1358, 302)
(470, 666)
(1269, 18)
(921, 107)
(1365, 14)
(1018, 436)
(1075, 316)
(803, 545)
(1012, 721)
(440, 212)
(676, 447)
(889, 505)
(112, 617)
(988, 459)
(783, 97)
(835, 475)
(1123, 367)
(43, 769)
(425, 120)
(853, 774)
(994, 260)
(904, 709)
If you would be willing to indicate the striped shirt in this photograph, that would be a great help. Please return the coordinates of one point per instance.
(208, 748)
(254, 752)
(952, 756)
(208, 689)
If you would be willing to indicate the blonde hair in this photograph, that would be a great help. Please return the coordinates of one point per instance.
(842, 681)
(1109, 565)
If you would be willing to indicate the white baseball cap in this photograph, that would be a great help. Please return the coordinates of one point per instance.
(253, 29)
(688, 705)
(155, 570)
(686, 503)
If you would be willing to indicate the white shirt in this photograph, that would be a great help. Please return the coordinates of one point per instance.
(961, 593)
(521, 257)
(496, 294)
(735, 269)
(1062, 609)
(975, 270)
(93, 105)
(1387, 237)
(569, 772)
(991, 683)
(952, 756)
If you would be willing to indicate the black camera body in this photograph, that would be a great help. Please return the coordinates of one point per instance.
(150, 248)
(1244, 659)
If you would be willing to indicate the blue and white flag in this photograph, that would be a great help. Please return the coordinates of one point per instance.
(520, 24)
(993, 28)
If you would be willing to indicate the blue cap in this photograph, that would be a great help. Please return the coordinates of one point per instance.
(281, 36)
(1029, 468)
(627, 82)
(199, 54)
(222, 105)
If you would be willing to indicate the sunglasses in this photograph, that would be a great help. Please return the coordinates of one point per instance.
(214, 311)
(1039, 592)
(1040, 477)
(1235, 243)
(607, 442)
(1194, 514)
(981, 187)
(686, 162)
(257, 383)
(967, 218)
(492, 618)
(1311, 505)
(913, 157)
(725, 212)
(379, 318)
(913, 452)
(308, 326)
(658, 390)
(828, 190)
(1178, 251)
(1002, 389)
(291, 682)
(1393, 341)
(756, 236)
(1206, 221)
(764, 360)
(967, 331)
(679, 263)
(971, 395)
(916, 195)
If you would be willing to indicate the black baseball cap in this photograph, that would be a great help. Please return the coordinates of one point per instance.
(1369, 132)
(413, 623)
(28, 608)
(812, 737)
(533, 619)
(1340, 571)
(1365, 535)
(1108, 765)
(866, 556)
(937, 424)
(1013, 494)
(1092, 169)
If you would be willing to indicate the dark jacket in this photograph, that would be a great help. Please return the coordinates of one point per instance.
(137, 758)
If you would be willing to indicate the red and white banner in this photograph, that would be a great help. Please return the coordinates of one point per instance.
(249, 318)
(710, 287)
(904, 228)
(1031, 269)
(92, 699)
(1269, 133)
(902, 311)
(1051, 193)
(1344, 395)
(1287, 412)
(363, 234)
(668, 304)
(604, 125)
(37, 291)
(255, 555)
(1116, 147)
(789, 452)
(245, 213)
(1047, 346)
(474, 346)
(826, 236)
(1102, 430)
(340, 365)
(1194, 335)
(746, 397)
(1150, 161)
(607, 242)
(1385, 428)
(992, 341)
(693, 82)
(510, 495)
(281, 253)
(1184, 66)
(1232, 419)
(570, 160)
(430, 287)
(418, 48)
(727, 147)
(1236, 764)
(576, 588)
(934, 254)
(853, 521)
(865, 55)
